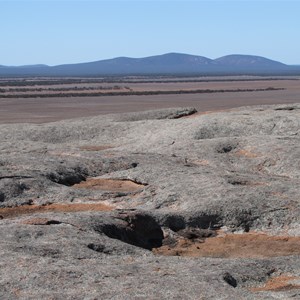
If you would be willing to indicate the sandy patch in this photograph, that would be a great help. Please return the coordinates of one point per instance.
(112, 185)
(39, 221)
(11, 212)
(279, 283)
(248, 245)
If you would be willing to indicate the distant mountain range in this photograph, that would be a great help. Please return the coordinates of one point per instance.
(166, 64)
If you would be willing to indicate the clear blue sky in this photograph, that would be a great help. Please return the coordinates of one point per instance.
(70, 31)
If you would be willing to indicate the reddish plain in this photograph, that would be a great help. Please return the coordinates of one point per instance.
(225, 95)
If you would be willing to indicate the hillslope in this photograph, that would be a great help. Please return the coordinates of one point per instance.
(171, 63)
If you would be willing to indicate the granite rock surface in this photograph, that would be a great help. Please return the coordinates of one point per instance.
(110, 207)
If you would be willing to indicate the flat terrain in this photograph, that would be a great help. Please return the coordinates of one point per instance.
(47, 100)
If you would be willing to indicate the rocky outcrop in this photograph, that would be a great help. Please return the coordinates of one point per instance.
(154, 205)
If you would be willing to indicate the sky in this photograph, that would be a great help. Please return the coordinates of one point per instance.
(73, 31)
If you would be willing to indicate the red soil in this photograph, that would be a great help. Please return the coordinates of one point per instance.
(114, 185)
(11, 212)
(279, 283)
(247, 245)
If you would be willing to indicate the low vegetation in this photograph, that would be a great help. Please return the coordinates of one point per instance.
(127, 86)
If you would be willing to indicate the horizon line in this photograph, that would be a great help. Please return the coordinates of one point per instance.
(142, 57)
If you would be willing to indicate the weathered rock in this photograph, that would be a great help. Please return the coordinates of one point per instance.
(83, 202)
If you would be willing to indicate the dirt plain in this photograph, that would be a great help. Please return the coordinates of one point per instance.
(223, 94)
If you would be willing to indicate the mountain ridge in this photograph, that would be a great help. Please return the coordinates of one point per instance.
(169, 63)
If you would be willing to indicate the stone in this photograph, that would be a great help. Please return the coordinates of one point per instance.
(115, 206)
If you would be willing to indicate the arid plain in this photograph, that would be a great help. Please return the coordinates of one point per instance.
(40, 100)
